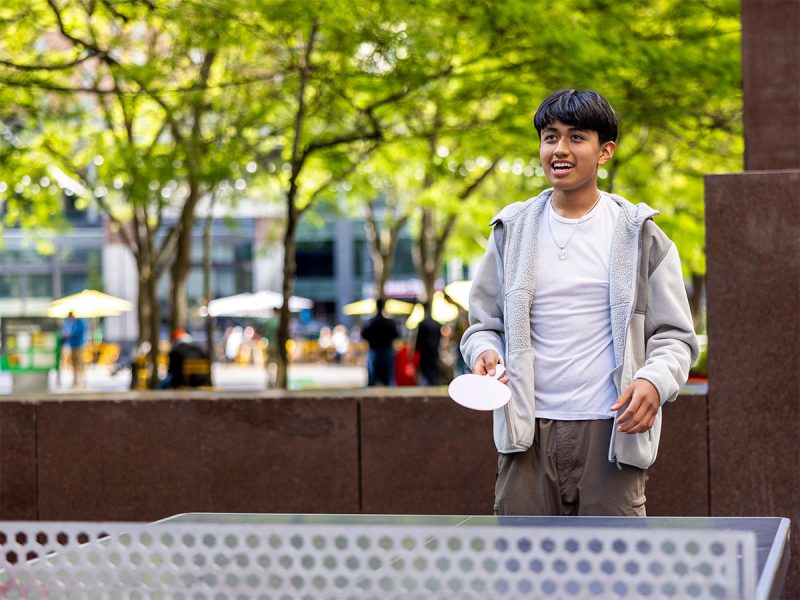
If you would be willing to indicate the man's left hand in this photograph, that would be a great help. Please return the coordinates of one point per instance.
(643, 407)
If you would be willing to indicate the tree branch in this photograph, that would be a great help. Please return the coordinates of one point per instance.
(336, 178)
(102, 54)
(467, 191)
(298, 157)
(55, 67)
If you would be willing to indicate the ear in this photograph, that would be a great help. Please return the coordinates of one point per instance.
(606, 152)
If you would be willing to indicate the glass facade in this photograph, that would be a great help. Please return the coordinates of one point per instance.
(334, 266)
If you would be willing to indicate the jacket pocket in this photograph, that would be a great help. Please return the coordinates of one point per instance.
(639, 449)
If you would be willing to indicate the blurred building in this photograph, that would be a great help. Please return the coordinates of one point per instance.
(333, 264)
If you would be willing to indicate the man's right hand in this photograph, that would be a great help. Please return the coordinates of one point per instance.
(486, 364)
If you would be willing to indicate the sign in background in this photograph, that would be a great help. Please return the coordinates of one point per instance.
(29, 344)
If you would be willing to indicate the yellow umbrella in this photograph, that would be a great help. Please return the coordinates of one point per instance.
(367, 307)
(88, 304)
(459, 291)
(441, 311)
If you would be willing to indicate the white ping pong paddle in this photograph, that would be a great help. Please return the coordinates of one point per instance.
(480, 392)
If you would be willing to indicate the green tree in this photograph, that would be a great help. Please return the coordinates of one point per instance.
(350, 72)
(145, 108)
(672, 72)
(148, 132)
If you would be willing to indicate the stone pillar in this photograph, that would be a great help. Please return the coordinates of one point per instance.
(753, 250)
(753, 263)
(771, 78)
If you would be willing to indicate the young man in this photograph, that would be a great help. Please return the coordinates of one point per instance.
(580, 296)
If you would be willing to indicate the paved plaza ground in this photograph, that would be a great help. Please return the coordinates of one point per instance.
(226, 377)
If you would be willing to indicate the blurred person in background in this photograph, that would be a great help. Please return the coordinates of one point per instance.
(233, 341)
(325, 344)
(380, 332)
(406, 362)
(429, 336)
(73, 336)
(341, 343)
(248, 348)
(183, 348)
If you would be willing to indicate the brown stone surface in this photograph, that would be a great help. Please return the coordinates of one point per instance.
(145, 460)
(426, 456)
(771, 81)
(145, 456)
(18, 462)
(753, 254)
(677, 483)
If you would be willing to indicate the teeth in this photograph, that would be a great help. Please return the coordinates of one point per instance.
(562, 165)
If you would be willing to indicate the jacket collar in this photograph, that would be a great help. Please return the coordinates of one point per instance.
(635, 214)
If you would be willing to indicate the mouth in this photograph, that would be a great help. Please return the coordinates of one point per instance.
(561, 167)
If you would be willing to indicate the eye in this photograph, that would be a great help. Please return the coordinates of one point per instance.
(577, 137)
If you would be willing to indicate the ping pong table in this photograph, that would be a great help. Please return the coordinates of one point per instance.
(304, 556)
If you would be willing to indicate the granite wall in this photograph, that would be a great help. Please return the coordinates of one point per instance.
(143, 457)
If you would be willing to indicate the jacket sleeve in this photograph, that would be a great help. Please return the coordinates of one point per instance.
(672, 346)
(486, 330)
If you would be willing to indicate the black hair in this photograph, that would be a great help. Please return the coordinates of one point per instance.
(584, 109)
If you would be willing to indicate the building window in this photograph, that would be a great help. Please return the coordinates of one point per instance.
(79, 256)
(16, 257)
(243, 252)
(11, 286)
(314, 259)
(361, 259)
(73, 283)
(404, 259)
(40, 286)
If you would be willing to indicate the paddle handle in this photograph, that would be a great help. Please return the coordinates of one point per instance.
(499, 370)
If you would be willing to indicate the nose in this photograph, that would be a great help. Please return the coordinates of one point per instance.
(562, 148)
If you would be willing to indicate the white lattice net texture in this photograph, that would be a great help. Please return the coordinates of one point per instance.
(291, 561)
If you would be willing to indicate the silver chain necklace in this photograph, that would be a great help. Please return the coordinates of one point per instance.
(562, 250)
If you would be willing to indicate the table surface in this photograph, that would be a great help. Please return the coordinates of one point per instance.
(716, 557)
(772, 533)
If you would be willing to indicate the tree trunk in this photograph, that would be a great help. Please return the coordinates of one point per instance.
(155, 330)
(182, 263)
(143, 314)
(207, 283)
(178, 309)
(148, 325)
(289, 272)
(425, 254)
(386, 271)
(382, 245)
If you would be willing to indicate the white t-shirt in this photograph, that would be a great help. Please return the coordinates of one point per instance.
(571, 318)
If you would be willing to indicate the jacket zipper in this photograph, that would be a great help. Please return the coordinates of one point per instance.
(625, 339)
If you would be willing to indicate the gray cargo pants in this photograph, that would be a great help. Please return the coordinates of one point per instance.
(566, 472)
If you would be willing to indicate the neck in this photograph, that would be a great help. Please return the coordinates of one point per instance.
(574, 204)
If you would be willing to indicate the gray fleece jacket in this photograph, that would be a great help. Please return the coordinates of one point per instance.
(651, 325)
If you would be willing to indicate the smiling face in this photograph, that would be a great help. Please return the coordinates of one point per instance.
(570, 157)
